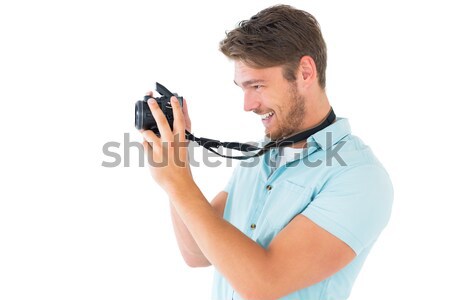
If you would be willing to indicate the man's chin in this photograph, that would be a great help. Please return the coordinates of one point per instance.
(279, 135)
(273, 136)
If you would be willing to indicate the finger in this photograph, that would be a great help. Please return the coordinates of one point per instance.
(149, 93)
(147, 146)
(185, 108)
(178, 118)
(187, 119)
(148, 150)
(161, 121)
(150, 137)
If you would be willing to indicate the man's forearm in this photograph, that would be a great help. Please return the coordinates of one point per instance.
(189, 249)
(241, 260)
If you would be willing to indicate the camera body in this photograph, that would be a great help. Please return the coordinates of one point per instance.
(143, 118)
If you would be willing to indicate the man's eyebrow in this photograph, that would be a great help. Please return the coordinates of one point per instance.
(249, 82)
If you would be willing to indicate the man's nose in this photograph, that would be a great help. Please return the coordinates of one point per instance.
(251, 102)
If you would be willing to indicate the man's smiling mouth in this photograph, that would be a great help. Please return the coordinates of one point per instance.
(267, 116)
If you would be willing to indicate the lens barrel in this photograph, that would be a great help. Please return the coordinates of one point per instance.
(143, 118)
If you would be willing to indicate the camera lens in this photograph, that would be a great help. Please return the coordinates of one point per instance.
(139, 115)
(143, 118)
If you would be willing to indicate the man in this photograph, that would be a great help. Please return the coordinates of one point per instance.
(300, 226)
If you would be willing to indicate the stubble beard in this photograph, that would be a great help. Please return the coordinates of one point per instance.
(291, 121)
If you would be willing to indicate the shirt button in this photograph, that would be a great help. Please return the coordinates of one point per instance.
(269, 187)
(253, 226)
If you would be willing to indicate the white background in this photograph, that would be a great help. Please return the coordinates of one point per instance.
(70, 73)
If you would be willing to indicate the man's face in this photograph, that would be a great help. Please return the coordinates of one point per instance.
(268, 94)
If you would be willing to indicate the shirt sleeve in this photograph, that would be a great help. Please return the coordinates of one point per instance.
(354, 205)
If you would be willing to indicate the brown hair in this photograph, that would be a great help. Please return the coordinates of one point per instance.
(278, 35)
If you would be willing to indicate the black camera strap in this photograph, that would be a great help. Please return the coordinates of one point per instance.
(298, 137)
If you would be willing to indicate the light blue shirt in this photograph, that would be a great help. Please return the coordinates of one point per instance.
(337, 182)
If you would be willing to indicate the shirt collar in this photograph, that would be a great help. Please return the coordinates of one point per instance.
(331, 135)
(334, 133)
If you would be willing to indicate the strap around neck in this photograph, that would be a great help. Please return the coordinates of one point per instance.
(288, 141)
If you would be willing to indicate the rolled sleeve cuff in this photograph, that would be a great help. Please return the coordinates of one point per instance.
(335, 229)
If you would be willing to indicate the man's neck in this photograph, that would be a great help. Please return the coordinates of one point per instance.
(317, 110)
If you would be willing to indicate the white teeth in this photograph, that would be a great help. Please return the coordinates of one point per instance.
(265, 116)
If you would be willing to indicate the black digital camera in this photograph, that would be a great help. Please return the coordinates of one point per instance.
(143, 118)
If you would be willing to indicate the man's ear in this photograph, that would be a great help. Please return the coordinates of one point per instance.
(307, 72)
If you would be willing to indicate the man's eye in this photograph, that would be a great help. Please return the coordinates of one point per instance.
(257, 87)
